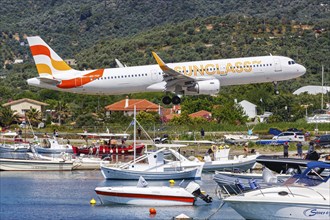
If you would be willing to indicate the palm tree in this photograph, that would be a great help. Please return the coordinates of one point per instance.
(7, 116)
(62, 111)
(33, 116)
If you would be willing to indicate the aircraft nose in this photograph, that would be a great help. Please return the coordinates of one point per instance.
(303, 69)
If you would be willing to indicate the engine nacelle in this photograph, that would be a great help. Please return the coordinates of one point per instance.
(206, 87)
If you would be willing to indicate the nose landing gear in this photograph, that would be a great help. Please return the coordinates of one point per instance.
(276, 92)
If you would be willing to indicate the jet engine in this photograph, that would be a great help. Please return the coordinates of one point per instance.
(206, 87)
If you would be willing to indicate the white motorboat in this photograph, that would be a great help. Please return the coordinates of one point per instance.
(221, 160)
(52, 146)
(34, 162)
(303, 196)
(143, 195)
(156, 167)
(12, 143)
(238, 182)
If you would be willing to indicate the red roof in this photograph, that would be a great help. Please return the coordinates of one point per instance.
(128, 105)
(201, 114)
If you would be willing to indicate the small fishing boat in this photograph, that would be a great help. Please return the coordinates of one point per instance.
(156, 168)
(303, 196)
(107, 143)
(32, 161)
(12, 143)
(143, 195)
(221, 160)
(52, 146)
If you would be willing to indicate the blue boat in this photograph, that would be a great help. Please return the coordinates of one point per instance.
(271, 142)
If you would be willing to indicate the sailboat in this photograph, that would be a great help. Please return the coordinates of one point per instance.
(156, 167)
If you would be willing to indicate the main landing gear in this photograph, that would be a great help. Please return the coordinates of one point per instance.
(276, 88)
(168, 100)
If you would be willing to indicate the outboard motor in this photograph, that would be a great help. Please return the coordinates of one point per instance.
(194, 189)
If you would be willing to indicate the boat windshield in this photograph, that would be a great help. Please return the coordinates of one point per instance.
(311, 177)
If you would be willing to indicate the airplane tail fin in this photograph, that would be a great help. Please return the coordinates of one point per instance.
(48, 63)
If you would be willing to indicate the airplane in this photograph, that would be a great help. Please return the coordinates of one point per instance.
(185, 78)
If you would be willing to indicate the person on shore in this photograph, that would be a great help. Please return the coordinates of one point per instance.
(202, 133)
(246, 149)
(286, 149)
(299, 149)
(311, 147)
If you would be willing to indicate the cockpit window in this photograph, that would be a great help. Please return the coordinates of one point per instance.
(291, 62)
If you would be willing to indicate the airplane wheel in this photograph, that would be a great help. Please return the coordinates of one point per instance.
(277, 92)
(176, 100)
(166, 100)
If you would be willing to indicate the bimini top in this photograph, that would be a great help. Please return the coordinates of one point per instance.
(316, 173)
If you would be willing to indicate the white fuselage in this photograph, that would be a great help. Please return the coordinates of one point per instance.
(149, 78)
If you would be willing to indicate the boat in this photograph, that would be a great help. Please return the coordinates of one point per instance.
(156, 168)
(11, 142)
(221, 160)
(271, 142)
(238, 182)
(35, 162)
(51, 146)
(144, 195)
(107, 143)
(303, 196)
(281, 164)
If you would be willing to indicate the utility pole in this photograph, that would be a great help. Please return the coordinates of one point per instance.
(322, 88)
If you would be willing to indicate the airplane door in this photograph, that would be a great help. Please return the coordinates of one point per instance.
(154, 75)
(278, 67)
(78, 82)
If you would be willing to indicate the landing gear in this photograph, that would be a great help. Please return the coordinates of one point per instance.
(276, 92)
(168, 100)
(176, 100)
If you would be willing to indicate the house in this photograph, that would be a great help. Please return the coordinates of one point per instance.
(202, 114)
(21, 106)
(127, 106)
(249, 108)
(169, 113)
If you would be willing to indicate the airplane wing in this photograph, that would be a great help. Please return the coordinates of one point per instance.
(172, 77)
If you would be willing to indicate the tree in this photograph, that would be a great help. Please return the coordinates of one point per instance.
(33, 116)
(7, 116)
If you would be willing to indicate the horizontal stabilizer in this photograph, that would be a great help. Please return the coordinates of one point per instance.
(51, 81)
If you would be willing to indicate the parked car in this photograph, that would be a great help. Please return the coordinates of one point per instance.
(322, 141)
(290, 135)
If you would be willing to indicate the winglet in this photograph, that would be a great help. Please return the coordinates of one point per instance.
(160, 62)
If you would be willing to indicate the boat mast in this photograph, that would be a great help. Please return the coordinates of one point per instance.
(134, 141)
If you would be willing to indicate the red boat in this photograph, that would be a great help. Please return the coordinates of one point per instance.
(107, 149)
(109, 145)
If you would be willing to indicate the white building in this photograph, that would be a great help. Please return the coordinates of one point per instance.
(249, 108)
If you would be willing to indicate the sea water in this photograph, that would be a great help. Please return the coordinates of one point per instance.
(67, 195)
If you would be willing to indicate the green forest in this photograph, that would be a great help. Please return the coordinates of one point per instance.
(95, 33)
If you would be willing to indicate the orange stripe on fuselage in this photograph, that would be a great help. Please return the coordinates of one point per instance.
(80, 81)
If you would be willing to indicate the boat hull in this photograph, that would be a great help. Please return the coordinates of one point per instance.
(42, 150)
(229, 165)
(276, 210)
(37, 165)
(127, 174)
(155, 196)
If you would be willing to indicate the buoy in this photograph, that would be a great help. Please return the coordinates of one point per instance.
(93, 201)
(152, 211)
(171, 181)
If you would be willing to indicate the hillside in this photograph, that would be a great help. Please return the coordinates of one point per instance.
(73, 25)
